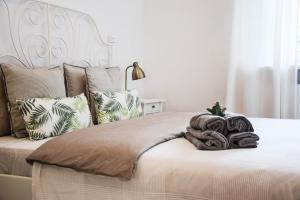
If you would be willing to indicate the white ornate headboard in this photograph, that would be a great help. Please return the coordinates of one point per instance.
(34, 34)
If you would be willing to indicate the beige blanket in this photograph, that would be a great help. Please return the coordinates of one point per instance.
(111, 149)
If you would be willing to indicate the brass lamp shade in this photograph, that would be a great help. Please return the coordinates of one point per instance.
(137, 73)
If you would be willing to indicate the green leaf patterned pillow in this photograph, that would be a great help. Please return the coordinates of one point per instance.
(114, 106)
(45, 117)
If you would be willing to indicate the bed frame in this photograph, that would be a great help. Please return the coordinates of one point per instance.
(15, 187)
(37, 34)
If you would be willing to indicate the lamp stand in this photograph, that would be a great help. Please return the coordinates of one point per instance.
(126, 76)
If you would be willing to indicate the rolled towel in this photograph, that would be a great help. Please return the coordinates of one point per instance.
(206, 140)
(206, 121)
(242, 140)
(238, 123)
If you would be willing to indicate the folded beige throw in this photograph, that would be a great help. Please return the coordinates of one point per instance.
(111, 149)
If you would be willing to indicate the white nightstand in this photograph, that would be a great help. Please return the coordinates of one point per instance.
(151, 106)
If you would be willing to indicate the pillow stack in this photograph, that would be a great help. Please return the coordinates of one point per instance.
(46, 102)
(23, 83)
(103, 89)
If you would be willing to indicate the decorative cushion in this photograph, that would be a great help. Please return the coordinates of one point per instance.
(99, 78)
(75, 79)
(114, 106)
(4, 117)
(46, 117)
(23, 83)
(102, 79)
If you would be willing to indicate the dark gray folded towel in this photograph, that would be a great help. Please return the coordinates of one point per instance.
(238, 123)
(206, 121)
(206, 140)
(242, 140)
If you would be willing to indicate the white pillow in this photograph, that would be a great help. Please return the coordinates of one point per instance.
(46, 117)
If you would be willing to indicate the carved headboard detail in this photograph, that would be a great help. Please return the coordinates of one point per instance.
(35, 34)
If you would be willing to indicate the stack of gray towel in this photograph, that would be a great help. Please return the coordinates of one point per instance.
(211, 132)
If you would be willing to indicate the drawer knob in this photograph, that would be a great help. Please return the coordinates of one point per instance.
(153, 106)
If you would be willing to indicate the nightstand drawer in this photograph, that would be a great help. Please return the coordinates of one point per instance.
(152, 107)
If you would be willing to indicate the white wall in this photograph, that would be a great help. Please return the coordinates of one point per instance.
(186, 51)
(122, 19)
(183, 45)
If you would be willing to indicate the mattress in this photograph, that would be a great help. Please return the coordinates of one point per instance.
(176, 170)
(13, 152)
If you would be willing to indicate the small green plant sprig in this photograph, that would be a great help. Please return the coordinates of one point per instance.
(217, 110)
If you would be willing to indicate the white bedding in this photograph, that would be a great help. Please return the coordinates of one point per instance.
(13, 152)
(176, 170)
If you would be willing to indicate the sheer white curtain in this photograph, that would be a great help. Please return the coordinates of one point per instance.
(262, 77)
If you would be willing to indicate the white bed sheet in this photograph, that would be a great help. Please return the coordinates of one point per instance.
(13, 152)
(176, 170)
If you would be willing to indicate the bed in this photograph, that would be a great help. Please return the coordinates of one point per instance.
(171, 170)
(15, 172)
(13, 154)
(176, 170)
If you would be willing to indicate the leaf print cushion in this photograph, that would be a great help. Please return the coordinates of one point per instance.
(46, 117)
(114, 106)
